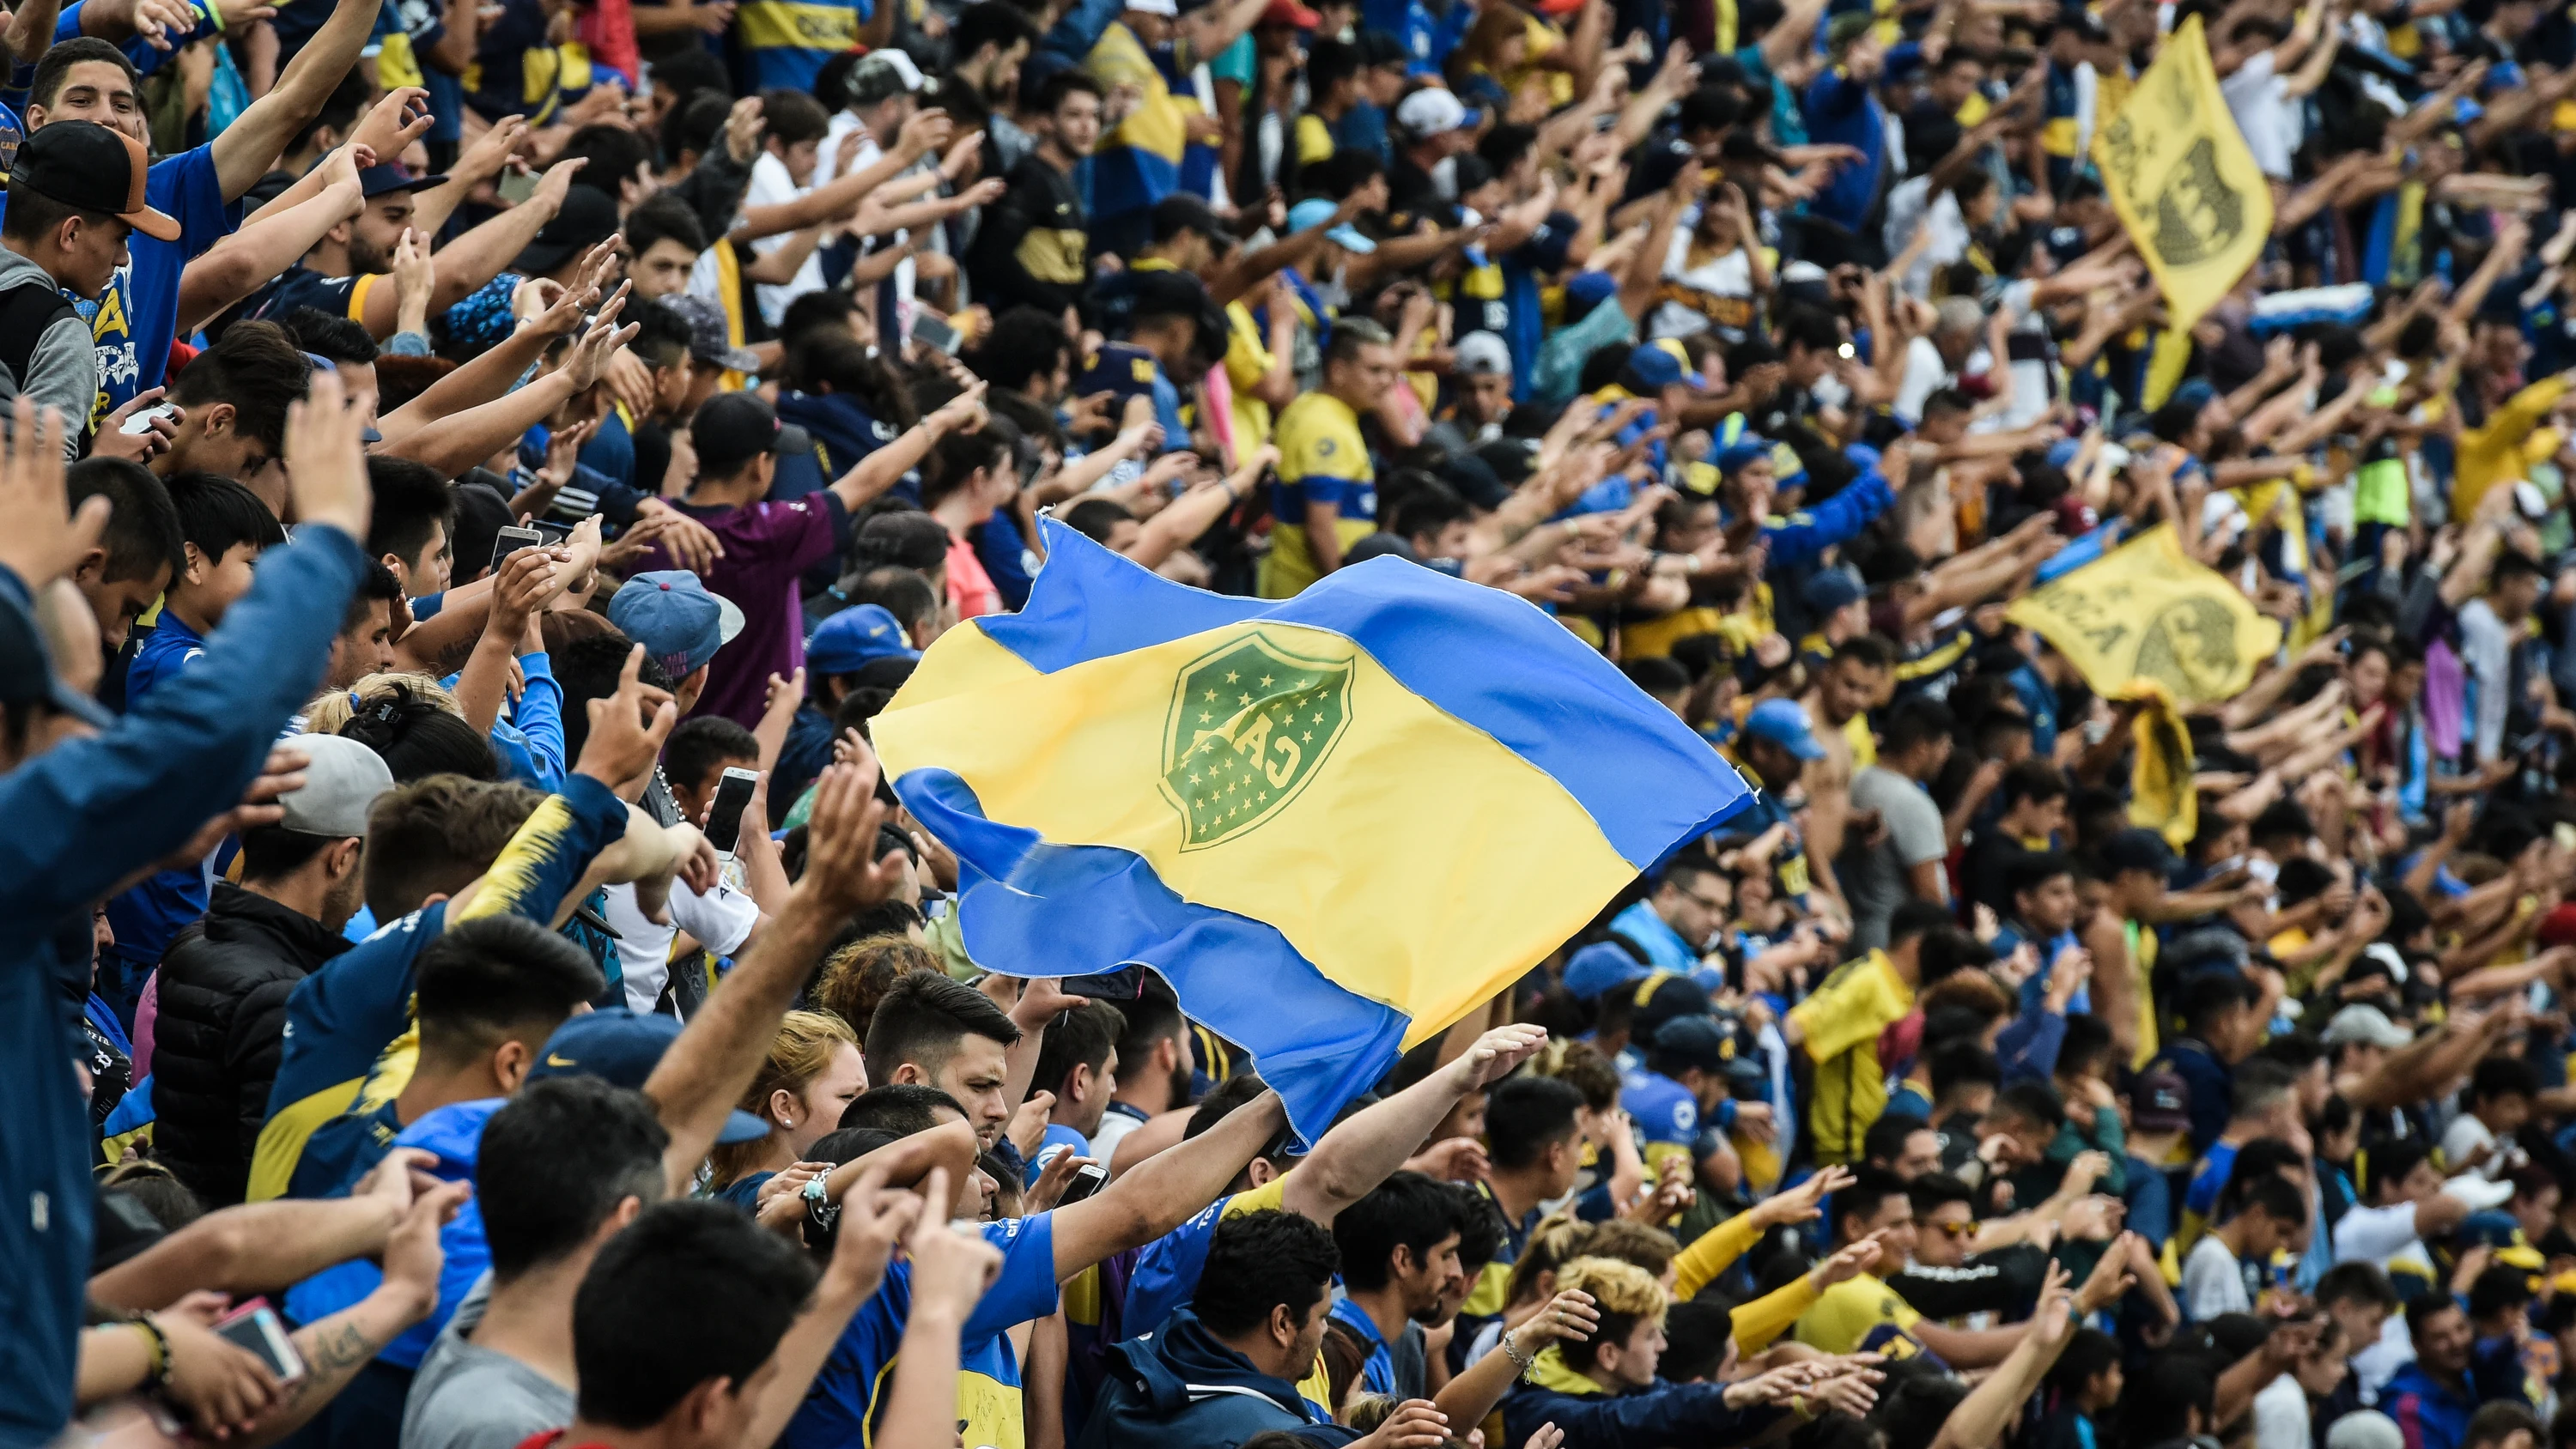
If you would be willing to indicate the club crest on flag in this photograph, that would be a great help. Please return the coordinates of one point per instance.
(1250, 723)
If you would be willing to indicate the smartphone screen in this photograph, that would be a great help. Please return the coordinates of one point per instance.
(931, 332)
(724, 819)
(510, 540)
(256, 1328)
(1087, 1180)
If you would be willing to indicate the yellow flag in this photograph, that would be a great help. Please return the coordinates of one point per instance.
(2179, 175)
(2145, 611)
(2161, 797)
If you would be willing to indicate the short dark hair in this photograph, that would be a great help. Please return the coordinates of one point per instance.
(2033, 1102)
(1963, 1064)
(1082, 1037)
(1695, 1339)
(662, 336)
(794, 116)
(1884, 1141)
(1870, 1189)
(2276, 1199)
(2213, 993)
(2355, 1283)
(908, 536)
(273, 852)
(1408, 1211)
(664, 215)
(997, 23)
(1053, 90)
(143, 533)
(34, 216)
(615, 154)
(899, 591)
(2503, 1076)
(434, 836)
(1151, 1015)
(904, 1107)
(1426, 511)
(2038, 780)
(2035, 868)
(921, 1020)
(691, 1291)
(701, 746)
(588, 669)
(218, 515)
(1524, 1116)
(556, 1161)
(1913, 722)
(1260, 1261)
(377, 585)
(344, 341)
(495, 979)
(1932, 1189)
(817, 310)
(695, 123)
(1328, 61)
(413, 499)
(1916, 918)
(257, 369)
(57, 63)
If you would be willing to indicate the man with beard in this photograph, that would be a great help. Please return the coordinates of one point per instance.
(990, 41)
(349, 271)
(1400, 1269)
(1153, 1065)
(1029, 249)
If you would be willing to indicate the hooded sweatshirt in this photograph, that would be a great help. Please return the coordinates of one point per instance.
(1182, 1388)
(62, 369)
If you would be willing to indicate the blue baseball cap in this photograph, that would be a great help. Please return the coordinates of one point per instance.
(856, 637)
(621, 1049)
(1314, 211)
(1831, 589)
(677, 621)
(1784, 723)
(1601, 967)
(2196, 392)
(1658, 365)
(1591, 288)
(1732, 458)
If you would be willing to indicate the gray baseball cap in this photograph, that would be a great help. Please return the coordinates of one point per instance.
(709, 339)
(340, 786)
(1482, 353)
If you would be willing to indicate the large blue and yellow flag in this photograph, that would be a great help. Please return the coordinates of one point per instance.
(1335, 823)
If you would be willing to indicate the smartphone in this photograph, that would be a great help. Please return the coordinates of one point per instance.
(552, 533)
(724, 818)
(930, 331)
(512, 539)
(141, 423)
(1087, 1179)
(517, 186)
(255, 1326)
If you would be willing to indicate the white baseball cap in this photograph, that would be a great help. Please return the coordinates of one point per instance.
(1482, 354)
(1432, 111)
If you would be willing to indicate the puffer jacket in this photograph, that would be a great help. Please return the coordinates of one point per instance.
(222, 1028)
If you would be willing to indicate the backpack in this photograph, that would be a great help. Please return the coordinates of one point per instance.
(27, 312)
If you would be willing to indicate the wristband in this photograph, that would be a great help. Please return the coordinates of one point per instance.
(156, 1349)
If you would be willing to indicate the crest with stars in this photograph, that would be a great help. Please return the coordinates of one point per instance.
(1250, 724)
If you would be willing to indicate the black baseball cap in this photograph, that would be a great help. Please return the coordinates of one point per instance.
(732, 428)
(84, 164)
(26, 668)
(588, 217)
(1180, 212)
(375, 181)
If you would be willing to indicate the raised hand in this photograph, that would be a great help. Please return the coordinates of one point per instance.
(627, 728)
(950, 1269)
(1415, 1424)
(1497, 1052)
(842, 871)
(326, 458)
(872, 1221)
(1569, 1317)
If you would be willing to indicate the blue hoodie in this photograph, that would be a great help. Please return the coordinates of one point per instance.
(1181, 1388)
(1653, 1417)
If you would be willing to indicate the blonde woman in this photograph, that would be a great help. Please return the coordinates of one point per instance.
(812, 1072)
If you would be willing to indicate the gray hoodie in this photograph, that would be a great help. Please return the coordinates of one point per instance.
(63, 369)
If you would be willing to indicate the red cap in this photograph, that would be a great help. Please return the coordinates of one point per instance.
(1289, 12)
(2558, 928)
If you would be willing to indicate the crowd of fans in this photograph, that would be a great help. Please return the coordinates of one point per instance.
(477, 469)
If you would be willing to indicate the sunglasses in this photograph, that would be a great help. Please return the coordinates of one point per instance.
(1953, 1230)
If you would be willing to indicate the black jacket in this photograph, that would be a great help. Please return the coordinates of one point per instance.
(221, 1029)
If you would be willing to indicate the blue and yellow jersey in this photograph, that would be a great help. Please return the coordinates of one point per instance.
(849, 1394)
(785, 42)
(518, 69)
(351, 1043)
(1167, 1270)
(1143, 160)
(1124, 370)
(1323, 459)
(1841, 1022)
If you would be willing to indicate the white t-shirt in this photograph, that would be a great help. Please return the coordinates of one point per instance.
(771, 186)
(1113, 1129)
(868, 154)
(2281, 1415)
(1720, 292)
(721, 920)
(2213, 1282)
(1925, 373)
(2259, 99)
(1911, 204)
(2466, 1137)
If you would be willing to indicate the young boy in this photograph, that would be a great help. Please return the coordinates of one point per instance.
(2230, 1264)
(223, 527)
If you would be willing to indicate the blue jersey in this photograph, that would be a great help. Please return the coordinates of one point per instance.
(841, 1409)
(785, 42)
(149, 914)
(451, 1135)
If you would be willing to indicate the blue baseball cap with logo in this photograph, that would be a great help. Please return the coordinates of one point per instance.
(1784, 723)
(677, 621)
(855, 638)
(621, 1049)
(1601, 967)
(1658, 365)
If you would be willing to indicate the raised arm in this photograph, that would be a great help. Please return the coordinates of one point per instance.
(1164, 1191)
(1353, 1158)
(882, 469)
(245, 150)
(243, 262)
(475, 258)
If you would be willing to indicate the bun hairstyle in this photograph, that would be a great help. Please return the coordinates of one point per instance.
(417, 728)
